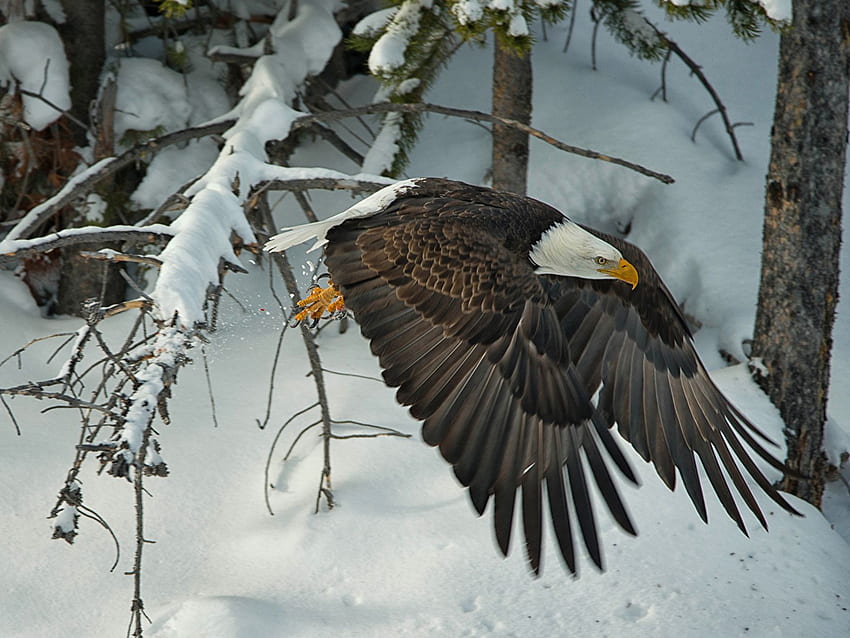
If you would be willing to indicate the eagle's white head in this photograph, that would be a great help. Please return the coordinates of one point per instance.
(566, 249)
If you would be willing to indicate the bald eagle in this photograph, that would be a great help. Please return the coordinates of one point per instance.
(498, 319)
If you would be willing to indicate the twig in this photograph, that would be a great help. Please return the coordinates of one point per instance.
(171, 203)
(271, 453)
(700, 121)
(596, 22)
(91, 514)
(570, 29)
(62, 345)
(324, 183)
(133, 304)
(663, 88)
(352, 374)
(137, 606)
(11, 415)
(696, 69)
(297, 438)
(262, 425)
(209, 386)
(32, 342)
(135, 286)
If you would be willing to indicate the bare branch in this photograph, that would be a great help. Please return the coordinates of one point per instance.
(573, 10)
(696, 69)
(700, 121)
(113, 257)
(477, 116)
(11, 415)
(209, 386)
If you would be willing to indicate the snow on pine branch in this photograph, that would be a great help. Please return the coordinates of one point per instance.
(779, 11)
(388, 53)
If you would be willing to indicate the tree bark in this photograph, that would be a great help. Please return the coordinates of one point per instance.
(84, 36)
(802, 232)
(512, 76)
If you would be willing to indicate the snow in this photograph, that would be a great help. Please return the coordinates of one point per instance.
(31, 54)
(149, 96)
(381, 154)
(374, 22)
(171, 168)
(387, 54)
(517, 26)
(468, 11)
(780, 10)
(403, 554)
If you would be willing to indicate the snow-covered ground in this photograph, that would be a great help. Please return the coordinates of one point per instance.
(403, 553)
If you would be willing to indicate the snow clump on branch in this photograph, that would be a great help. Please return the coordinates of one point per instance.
(32, 57)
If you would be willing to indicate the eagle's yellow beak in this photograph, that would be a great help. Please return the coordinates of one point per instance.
(624, 272)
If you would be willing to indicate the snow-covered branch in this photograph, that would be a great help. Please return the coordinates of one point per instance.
(13, 250)
(82, 184)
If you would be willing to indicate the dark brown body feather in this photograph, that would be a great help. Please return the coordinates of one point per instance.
(500, 364)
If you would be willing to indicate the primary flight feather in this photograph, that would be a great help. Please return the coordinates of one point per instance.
(498, 319)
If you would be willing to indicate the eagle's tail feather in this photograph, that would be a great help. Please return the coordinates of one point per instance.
(299, 234)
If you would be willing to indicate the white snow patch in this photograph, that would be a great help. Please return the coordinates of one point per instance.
(781, 10)
(518, 26)
(381, 154)
(31, 53)
(149, 96)
(374, 22)
(171, 168)
(468, 11)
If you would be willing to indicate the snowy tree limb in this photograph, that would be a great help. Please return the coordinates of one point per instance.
(83, 183)
(19, 249)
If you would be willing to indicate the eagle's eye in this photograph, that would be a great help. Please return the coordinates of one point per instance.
(601, 261)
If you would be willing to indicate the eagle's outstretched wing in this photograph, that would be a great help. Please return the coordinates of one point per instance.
(500, 364)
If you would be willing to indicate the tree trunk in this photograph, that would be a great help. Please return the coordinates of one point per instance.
(802, 232)
(83, 34)
(511, 99)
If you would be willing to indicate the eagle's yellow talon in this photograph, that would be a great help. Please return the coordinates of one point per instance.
(320, 301)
